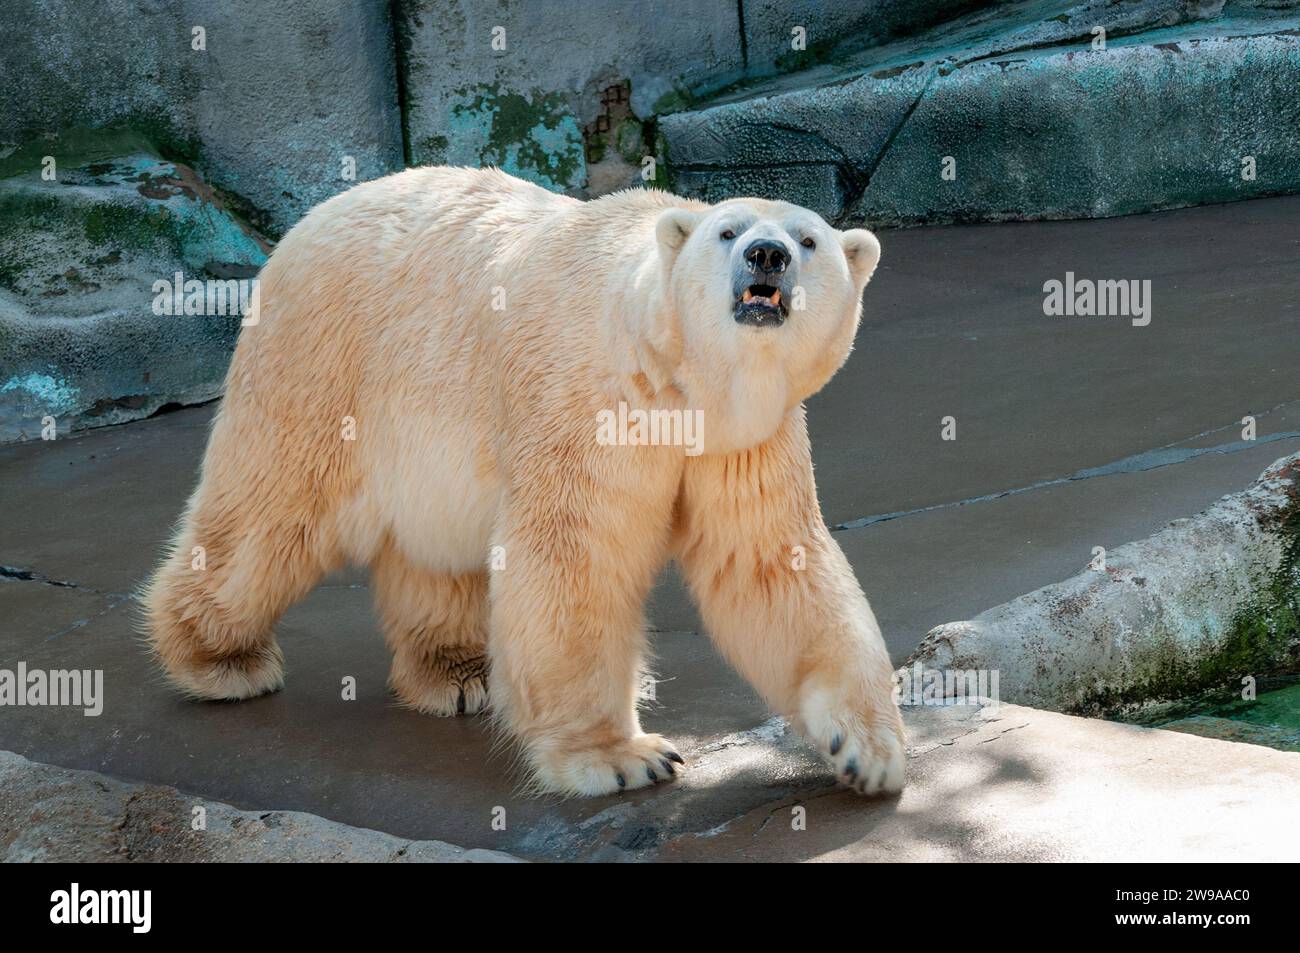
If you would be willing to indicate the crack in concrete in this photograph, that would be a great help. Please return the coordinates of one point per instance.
(31, 575)
(121, 828)
(782, 804)
(112, 599)
(82, 623)
(744, 39)
(769, 731)
(855, 180)
(19, 574)
(1078, 42)
(902, 122)
(1005, 731)
(925, 747)
(1155, 459)
(763, 826)
(400, 32)
(1233, 426)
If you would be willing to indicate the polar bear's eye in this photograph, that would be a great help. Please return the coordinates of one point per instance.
(808, 243)
(727, 235)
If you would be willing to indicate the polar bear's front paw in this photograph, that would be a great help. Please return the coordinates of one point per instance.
(634, 762)
(865, 747)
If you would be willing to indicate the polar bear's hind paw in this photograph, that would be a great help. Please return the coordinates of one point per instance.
(456, 683)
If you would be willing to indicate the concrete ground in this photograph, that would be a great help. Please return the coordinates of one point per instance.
(1071, 433)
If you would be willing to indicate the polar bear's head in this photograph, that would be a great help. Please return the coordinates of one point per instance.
(766, 298)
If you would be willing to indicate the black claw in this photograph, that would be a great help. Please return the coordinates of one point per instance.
(622, 781)
(836, 744)
(674, 756)
(650, 773)
(460, 703)
(667, 766)
(851, 769)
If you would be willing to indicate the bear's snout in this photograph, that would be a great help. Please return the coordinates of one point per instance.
(760, 286)
(767, 257)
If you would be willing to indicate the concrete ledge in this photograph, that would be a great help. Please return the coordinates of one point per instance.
(51, 814)
(1013, 115)
(998, 783)
(1017, 784)
(1195, 607)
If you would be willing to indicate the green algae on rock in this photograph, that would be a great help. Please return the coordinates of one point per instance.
(1193, 609)
(80, 251)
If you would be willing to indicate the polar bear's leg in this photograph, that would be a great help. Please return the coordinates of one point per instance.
(582, 546)
(211, 607)
(783, 606)
(436, 627)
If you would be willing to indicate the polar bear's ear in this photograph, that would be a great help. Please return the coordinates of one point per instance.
(862, 251)
(672, 229)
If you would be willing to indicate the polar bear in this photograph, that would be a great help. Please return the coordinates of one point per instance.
(421, 389)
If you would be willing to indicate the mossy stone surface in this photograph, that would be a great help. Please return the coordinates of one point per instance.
(80, 253)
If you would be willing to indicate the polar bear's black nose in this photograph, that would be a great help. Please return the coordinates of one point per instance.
(767, 255)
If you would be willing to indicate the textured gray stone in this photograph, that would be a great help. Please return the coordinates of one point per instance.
(1161, 124)
(267, 111)
(266, 115)
(1039, 124)
(830, 26)
(80, 341)
(525, 107)
(1196, 607)
(537, 107)
(57, 815)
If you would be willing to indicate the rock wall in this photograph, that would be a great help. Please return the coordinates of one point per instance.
(236, 117)
(267, 107)
(1031, 110)
(1198, 607)
(566, 94)
(86, 338)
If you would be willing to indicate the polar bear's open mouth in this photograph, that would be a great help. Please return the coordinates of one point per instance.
(761, 306)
